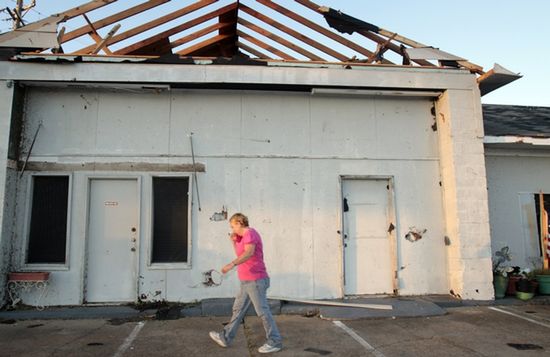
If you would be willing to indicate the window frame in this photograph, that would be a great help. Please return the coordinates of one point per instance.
(175, 265)
(24, 265)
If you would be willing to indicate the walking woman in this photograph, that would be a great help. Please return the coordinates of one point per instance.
(254, 279)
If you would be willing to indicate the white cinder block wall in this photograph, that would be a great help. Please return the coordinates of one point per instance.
(278, 158)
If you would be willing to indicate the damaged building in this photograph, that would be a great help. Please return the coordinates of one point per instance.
(356, 152)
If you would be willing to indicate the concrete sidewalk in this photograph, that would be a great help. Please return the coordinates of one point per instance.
(423, 306)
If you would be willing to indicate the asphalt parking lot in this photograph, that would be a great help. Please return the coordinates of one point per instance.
(464, 331)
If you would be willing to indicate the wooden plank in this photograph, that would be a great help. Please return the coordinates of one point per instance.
(264, 45)
(67, 15)
(312, 25)
(334, 303)
(279, 40)
(95, 36)
(297, 35)
(79, 10)
(102, 44)
(543, 220)
(199, 33)
(154, 23)
(114, 18)
(252, 50)
(185, 26)
(203, 44)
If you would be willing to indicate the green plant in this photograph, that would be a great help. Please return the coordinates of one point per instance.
(502, 256)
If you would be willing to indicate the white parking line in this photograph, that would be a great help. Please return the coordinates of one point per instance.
(128, 341)
(519, 316)
(359, 339)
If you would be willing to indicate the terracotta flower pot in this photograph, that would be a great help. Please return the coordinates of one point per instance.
(512, 280)
(29, 276)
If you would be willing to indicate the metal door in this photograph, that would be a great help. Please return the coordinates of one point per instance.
(367, 247)
(112, 241)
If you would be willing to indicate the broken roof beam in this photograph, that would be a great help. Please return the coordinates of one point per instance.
(369, 30)
(185, 26)
(154, 23)
(297, 35)
(102, 45)
(69, 14)
(264, 45)
(312, 25)
(366, 32)
(279, 40)
(96, 37)
(114, 18)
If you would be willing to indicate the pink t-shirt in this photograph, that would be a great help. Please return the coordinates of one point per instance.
(253, 268)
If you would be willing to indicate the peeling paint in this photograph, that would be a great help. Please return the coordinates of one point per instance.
(415, 234)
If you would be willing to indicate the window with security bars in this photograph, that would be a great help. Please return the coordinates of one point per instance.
(47, 240)
(170, 219)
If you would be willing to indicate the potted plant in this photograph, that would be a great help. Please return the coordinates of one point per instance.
(513, 277)
(500, 272)
(543, 278)
(526, 285)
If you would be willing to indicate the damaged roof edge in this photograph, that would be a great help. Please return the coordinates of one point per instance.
(496, 78)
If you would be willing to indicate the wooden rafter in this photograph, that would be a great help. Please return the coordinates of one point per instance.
(185, 26)
(312, 25)
(279, 40)
(198, 34)
(154, 23)
(264, 45)
(299, 36)
(252, 50)
(114, 18)
(201, 45)
(227, 42)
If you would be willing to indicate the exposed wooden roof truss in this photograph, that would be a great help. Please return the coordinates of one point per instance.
(259, 29)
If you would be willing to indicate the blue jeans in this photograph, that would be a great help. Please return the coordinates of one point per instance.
(254, 292)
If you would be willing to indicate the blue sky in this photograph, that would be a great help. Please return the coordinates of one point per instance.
(514, 34)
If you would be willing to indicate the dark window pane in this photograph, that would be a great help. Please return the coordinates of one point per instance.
(170, 205)
(48, 228)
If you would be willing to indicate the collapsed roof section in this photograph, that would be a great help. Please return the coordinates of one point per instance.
(263, 30)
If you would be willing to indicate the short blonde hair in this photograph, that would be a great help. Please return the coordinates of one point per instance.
(239, 218)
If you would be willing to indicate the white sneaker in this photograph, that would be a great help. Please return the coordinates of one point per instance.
(268, 349)
(216, 337)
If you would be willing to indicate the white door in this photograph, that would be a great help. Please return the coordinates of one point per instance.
(112, 241)
(367, 249)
